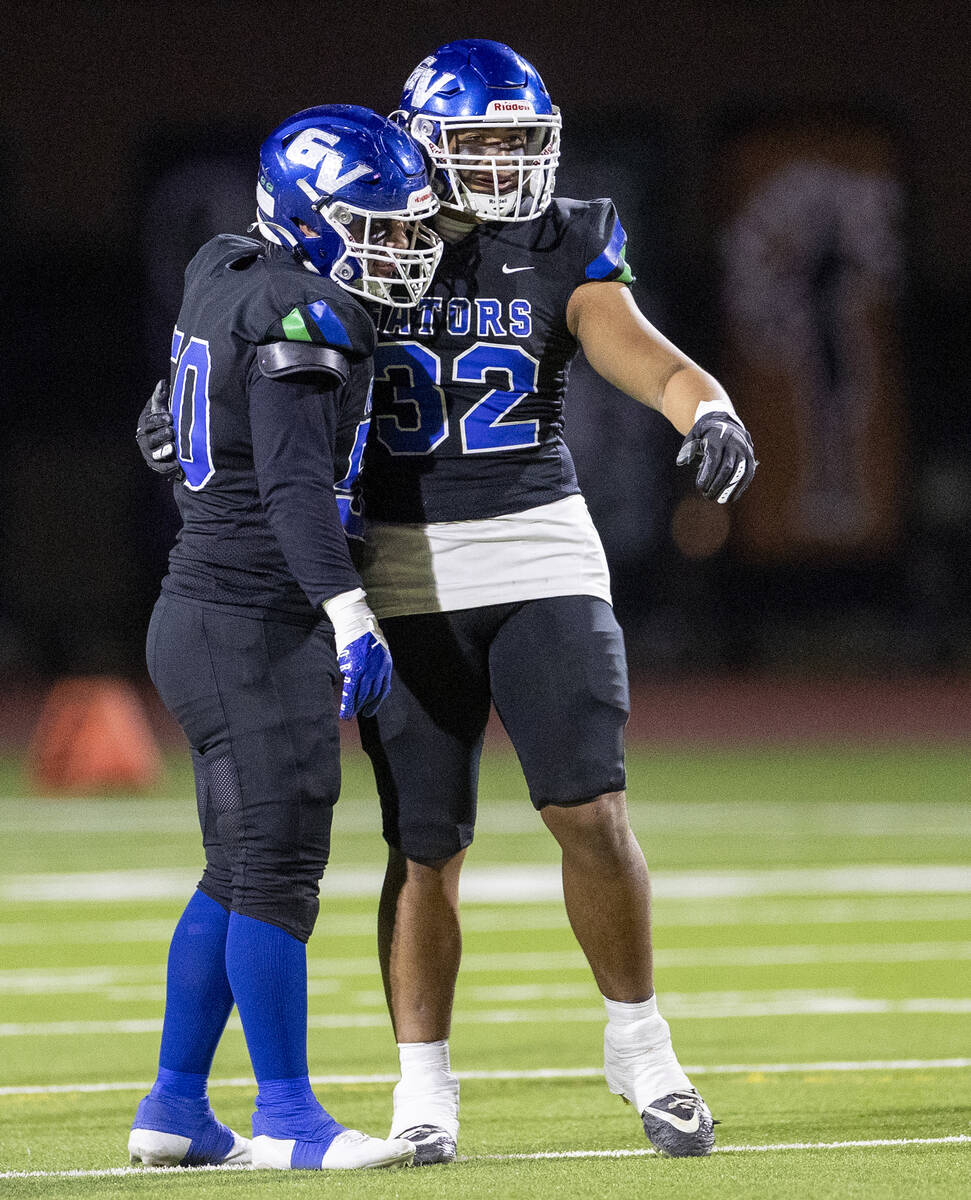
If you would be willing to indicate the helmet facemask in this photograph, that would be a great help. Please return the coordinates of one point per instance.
(362, 261)
(500, 167)
(371, 263)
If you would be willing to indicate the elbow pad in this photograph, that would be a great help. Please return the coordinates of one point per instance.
(282, 360)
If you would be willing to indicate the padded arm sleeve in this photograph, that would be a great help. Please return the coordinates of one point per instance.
(293, 427)
(282, 360)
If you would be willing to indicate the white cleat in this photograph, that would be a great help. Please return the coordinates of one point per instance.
(349, 1151)
(152, 1148)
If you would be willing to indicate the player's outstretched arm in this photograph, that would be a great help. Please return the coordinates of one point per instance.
(155, 433)
(625, 348)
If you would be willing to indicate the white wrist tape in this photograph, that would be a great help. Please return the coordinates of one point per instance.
(713, 406)
(351, 617)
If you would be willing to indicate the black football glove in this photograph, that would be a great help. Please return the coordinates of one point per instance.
(155, 434)
(727, 456)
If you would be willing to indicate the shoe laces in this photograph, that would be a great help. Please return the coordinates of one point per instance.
(424, 1133)
(689, 1102)
(350, 1136)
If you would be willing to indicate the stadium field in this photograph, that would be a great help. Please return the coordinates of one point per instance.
(813, 932)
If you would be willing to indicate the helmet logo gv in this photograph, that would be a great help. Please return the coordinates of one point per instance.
(314, 148)
(426, 85)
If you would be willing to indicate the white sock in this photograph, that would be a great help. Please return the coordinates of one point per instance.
(619, 1013)
(423, 1058)
(639, 1060)
(428, 1093)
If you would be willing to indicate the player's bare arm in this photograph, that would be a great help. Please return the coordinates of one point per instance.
(625, 348)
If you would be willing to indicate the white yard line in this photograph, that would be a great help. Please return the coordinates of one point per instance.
(549, 914)
(112, 1172)
(811, 1068)
(526, 882)
(861, 1144)
(678, 1007)
(512, 816)
(96, 978)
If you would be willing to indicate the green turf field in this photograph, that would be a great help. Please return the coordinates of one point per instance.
(813, 932)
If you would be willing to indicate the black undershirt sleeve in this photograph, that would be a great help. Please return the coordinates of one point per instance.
(293, 426)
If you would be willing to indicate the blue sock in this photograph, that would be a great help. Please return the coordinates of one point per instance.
(198, 998)
(198, 1001)
(267, 968)
(288, 1108)
(178, 1104)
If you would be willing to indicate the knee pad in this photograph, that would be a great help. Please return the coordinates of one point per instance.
(291, 904)
(263, 861)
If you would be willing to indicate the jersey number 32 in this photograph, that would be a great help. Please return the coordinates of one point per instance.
(420, 420)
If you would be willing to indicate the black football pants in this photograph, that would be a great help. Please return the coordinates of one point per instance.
(255, 696)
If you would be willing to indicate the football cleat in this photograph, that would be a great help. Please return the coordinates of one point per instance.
(680, 1125)
(349, 1151)
(202, 1142)
(428, 1117)
(433, 1144)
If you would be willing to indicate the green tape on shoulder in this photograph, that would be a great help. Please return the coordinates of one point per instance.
(294, 326)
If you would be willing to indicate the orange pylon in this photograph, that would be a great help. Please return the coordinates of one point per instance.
(92, 736)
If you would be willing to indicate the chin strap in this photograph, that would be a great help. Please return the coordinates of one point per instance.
(453, 228)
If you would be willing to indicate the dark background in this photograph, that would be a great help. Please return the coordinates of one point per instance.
(129, 134)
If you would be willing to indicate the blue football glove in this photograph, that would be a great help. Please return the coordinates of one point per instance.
(362, 654)
(155, 434)
(727, 456)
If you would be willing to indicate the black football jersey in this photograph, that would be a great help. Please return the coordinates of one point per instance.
(467, 417)
(261, 457)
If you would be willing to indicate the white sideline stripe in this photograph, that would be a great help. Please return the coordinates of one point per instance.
(111, 1172)
(959, 1138)
(513, 885)
(687, 1009)
(95, 978)
(889, 1064)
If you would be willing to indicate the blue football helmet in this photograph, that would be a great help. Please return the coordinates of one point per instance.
(488, 127)
(347, 191)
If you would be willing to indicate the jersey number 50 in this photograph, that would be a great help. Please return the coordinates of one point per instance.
(420, 422)
(190, 408)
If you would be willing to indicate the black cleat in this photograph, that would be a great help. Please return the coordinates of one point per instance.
(678, 1125)
(432, 1144)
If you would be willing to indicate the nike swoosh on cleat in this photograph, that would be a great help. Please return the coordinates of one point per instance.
(512, 270)
(677, 1122)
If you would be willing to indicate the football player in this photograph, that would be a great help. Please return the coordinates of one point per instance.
(482, 562)
(262, 611)
(489, 578)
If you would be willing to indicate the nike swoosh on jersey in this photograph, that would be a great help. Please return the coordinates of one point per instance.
(690, 1126)
(512, 270)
